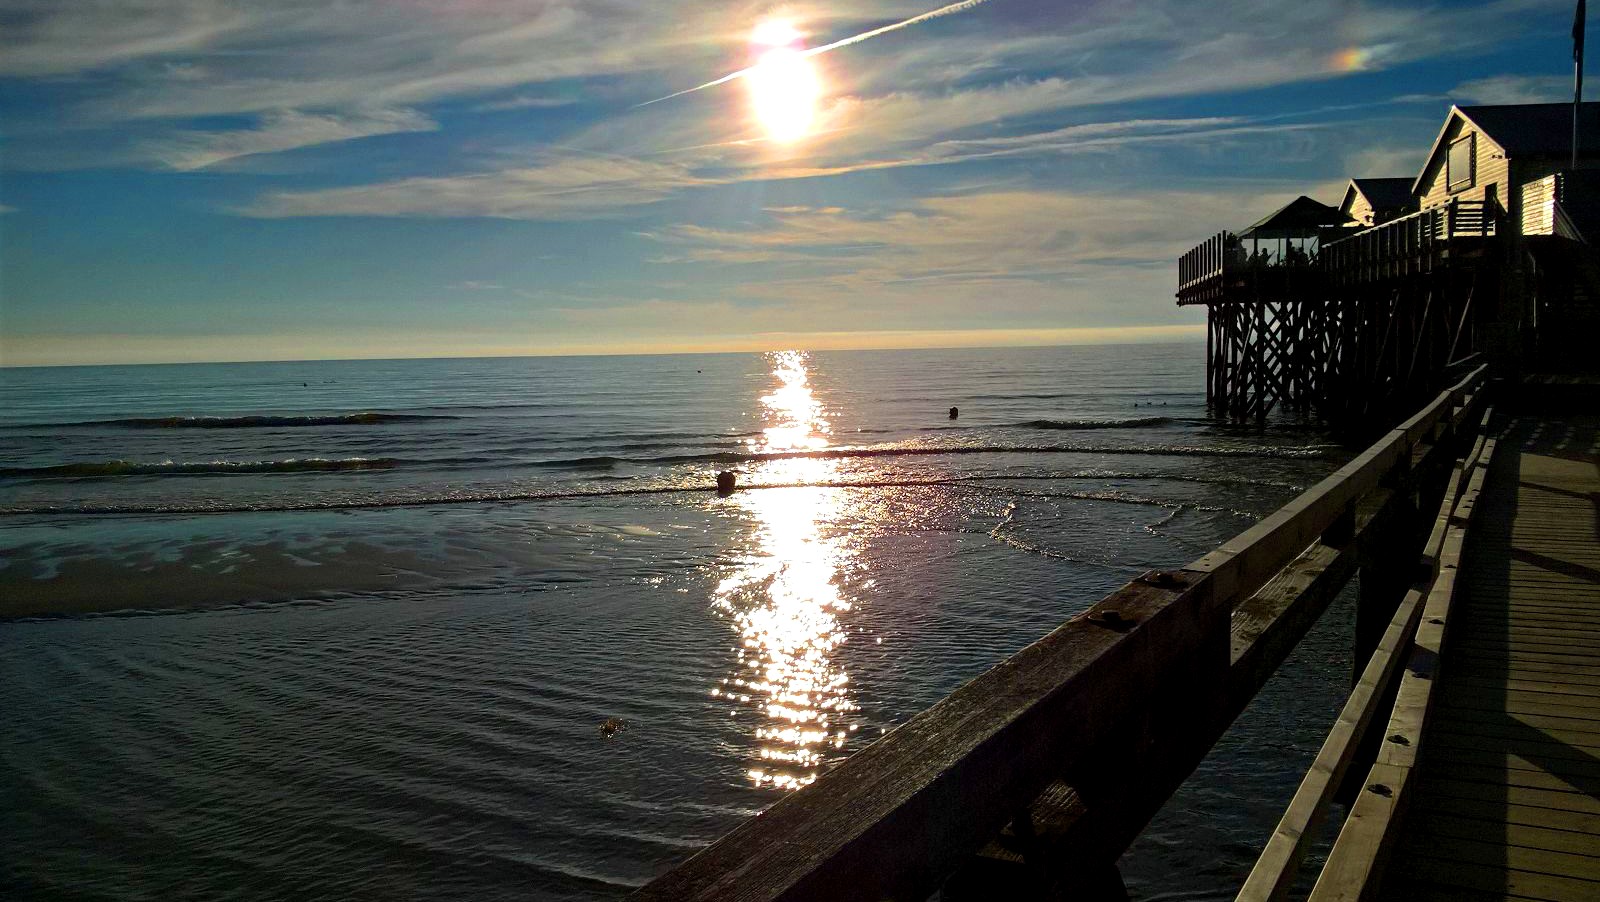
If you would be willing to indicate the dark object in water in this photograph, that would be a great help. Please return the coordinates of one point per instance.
(725, 482)
(955, 412)
(612, 727)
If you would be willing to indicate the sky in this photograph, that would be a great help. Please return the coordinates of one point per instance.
(186, 180)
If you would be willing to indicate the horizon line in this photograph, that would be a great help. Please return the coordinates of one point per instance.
(978, 339)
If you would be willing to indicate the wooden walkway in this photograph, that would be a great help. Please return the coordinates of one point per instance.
(1507, 803)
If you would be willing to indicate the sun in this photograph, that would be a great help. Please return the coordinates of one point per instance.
(784, 87)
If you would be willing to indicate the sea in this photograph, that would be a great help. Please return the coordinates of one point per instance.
(485, 629)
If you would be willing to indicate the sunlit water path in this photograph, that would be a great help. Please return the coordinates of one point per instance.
(403, 598)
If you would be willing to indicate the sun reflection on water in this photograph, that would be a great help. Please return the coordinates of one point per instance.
(785, 600)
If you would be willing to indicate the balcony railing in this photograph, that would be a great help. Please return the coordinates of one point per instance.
(1401, 246)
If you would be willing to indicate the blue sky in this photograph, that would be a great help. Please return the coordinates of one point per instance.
(210, 180)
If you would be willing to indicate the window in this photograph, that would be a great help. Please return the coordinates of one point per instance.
(1459, 165)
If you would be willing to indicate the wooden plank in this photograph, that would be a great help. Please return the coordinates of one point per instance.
(1491, 656)
(1492, 715)
(1064, 835)
(1509, 881)
(1577, 865)
(1514, 645)
(1516, 668)
(986, 750)
(1528, 815)
(1548, 751)
(1247, 561)
(1514, 834)
(1515, 770)
(1409, 889)
(1503, 726)
(1553, 684)
(1566, 802)
(1359, 855)
(1275, 869)
(1524, 706)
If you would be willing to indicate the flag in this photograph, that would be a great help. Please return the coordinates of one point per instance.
(1577, 31)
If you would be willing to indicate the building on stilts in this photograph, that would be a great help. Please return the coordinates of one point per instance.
(1356, 313)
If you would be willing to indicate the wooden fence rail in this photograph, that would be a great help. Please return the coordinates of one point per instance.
(1275, 870)
(1040, 772)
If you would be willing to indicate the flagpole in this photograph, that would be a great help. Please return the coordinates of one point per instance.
(1577, 73)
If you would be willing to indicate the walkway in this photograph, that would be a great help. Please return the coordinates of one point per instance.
(1509, 800)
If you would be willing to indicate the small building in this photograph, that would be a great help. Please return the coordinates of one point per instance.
(1367, 308)
(1512, 156)
(1370, 202)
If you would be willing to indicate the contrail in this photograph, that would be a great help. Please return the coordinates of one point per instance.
(953, 8)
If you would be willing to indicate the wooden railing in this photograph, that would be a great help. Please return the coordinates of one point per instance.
(1206, 260)
(1407, 245)
(1412, 638)
(1544, 209)
(1039, 773)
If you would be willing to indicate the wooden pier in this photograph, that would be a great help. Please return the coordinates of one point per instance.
(1356, 313)
(1475, 765)
(1508, 803)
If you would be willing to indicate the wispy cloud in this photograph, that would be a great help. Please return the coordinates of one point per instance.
(558, 187)
(523, 102)
(1515, 89)
(583, 186)
(1025, 257)
(941, 12)
(282, 131)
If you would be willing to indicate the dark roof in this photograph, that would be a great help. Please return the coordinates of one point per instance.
(1539, 129)
(1385, 194)
(1299, 218)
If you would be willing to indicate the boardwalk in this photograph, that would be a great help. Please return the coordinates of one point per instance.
(1508, 802)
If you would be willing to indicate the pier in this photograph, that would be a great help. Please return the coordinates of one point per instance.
(1470, 740)
(1465, 762)
(1357, 313)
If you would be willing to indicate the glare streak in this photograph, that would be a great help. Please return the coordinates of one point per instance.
(785, 601)
(951, 9)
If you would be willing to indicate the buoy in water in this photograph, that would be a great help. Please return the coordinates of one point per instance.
(955, 412)
(725, 482)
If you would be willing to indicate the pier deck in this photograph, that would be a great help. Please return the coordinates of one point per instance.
(1507, 803)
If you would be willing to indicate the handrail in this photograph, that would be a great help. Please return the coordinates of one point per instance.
(1354, 864)
(1275, 870)
(1408, 244)
(1146, 679)
(1207, 260)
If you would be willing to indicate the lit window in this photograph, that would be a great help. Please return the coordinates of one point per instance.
(1459, 171)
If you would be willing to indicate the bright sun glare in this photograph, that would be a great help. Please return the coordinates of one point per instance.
(784, 86)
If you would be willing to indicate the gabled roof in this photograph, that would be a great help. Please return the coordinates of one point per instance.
(1526, 130)
(1383, 194)
(1299, 218)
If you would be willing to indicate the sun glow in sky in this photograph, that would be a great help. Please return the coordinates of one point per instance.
(784, 85)
(188, 180)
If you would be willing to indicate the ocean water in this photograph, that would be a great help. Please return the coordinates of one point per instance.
(457, 629)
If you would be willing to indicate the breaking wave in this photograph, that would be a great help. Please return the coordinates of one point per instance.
(113, 468)
(1133, 423)
(255, 421)
(739, 457)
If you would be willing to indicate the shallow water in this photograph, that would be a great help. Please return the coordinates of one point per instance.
(352, 628)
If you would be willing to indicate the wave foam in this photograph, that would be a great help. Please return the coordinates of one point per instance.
(114, 468)
(253, 421)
